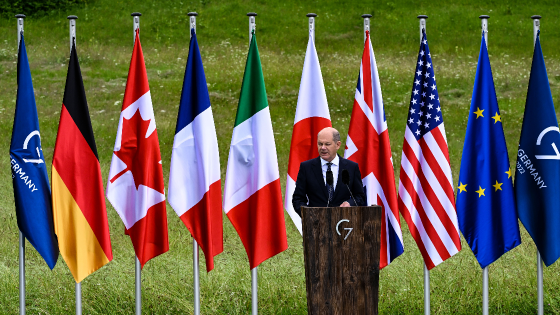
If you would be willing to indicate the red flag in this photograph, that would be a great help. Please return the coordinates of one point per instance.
(368, 145)
(135, 187)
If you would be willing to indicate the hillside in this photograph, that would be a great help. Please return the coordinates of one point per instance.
(104, 42)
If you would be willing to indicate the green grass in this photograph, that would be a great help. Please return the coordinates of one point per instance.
(104, 45)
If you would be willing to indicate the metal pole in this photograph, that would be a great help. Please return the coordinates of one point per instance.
(422, 19)
(252, 25)
(21, 274)
(196, 265)
(536, 27)
(78, 298)
(426, 290)
(540, 292)
(484, 21)
(311, 17)
(135, 24)
(192, 21)
(540, 284)
(138, 286)
(485, 291)
(366, 25)
(72, 19)
(20, 18)
(254, 292)
(72, 28)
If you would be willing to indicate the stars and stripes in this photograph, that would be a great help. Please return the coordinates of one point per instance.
(368, 145)
(426, 198)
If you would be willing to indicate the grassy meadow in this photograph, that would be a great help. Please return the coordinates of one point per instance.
(104, 44)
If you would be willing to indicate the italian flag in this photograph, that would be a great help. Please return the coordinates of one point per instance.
(252, 194)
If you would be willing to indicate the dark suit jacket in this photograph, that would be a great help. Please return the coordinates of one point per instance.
(311, 190)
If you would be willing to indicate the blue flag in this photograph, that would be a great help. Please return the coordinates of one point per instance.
(485, 199)
(537, 177)
(32, 192)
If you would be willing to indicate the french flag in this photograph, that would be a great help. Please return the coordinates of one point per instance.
(194, 179)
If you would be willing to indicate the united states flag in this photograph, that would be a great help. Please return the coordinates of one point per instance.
(368, 145)
(426, 198)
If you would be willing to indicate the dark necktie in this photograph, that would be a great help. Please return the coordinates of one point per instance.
(330, 189)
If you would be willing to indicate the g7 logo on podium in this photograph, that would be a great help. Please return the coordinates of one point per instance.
(348, 229)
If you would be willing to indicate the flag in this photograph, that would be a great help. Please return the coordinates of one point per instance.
(195, 190)
(135, 187)
(312, 115)
(368, 145)
(426, 198)
(485, 201)
(252, 193)
(80, 216)
(537, 174)
(32, 193)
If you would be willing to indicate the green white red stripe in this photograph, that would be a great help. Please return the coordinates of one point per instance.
(252, 193)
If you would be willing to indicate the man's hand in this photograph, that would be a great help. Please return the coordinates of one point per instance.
(345, 204)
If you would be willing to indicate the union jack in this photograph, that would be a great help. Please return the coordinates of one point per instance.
(426, 198)
(368, 145)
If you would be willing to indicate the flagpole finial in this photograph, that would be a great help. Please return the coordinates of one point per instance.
(22, 16)
(251, 14)
(422, 16)
(366, 16)
(534, 17)
(192, 14)
(72, 17)
(311, 15)
(135, 14)
(484, 17)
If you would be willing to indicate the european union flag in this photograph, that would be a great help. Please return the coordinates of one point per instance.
(537, 177)
(32, 192)
(485, 201)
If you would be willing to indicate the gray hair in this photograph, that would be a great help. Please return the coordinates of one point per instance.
(336, 136)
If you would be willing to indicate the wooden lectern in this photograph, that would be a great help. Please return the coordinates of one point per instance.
(341, 249)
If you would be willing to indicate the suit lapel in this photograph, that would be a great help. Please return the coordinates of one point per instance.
(318, 172)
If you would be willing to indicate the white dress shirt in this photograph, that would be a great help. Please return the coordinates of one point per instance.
(334, 168)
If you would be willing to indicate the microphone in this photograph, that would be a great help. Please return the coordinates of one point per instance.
(345, 177)
(330, 181)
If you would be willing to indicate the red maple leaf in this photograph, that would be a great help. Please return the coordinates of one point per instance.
(140, 154)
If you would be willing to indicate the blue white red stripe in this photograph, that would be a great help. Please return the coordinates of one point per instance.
(194, 178)
(368, 145)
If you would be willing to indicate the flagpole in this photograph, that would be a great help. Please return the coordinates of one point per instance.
(252, 25)
(422, 19)
(196, 265)
(20, 18)
(311, 17)
(72, 32)
(366, 18)
(137, 269)
(485, 304)
(254, 280)
(540, 292)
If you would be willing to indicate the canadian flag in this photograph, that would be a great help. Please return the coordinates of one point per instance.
(135, 187)
(312, 115)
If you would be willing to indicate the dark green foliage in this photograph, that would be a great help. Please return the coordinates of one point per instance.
(8, 8)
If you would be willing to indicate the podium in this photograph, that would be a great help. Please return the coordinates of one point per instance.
(341, 250)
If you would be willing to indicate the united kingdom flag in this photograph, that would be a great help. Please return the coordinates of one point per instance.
(368, 145)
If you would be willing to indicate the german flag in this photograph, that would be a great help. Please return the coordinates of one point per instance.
(80, 216)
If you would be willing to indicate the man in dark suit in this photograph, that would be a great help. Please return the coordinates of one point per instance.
(312, 187)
